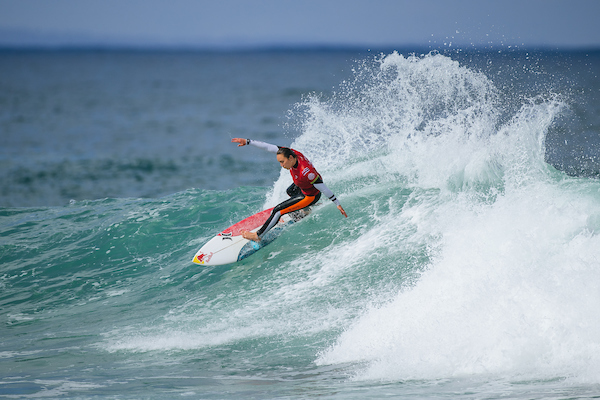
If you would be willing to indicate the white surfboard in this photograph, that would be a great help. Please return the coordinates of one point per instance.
(229, 246)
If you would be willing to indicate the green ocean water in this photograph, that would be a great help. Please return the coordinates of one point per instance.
(469, 265)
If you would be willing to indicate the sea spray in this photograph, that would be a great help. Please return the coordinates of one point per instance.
(510, 281)
(394, 99)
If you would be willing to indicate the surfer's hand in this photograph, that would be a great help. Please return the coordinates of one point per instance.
(342, 211)
(242, 142)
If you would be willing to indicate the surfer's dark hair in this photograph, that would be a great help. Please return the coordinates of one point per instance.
(287, 152)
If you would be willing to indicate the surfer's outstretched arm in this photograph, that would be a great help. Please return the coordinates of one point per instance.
(257, 143)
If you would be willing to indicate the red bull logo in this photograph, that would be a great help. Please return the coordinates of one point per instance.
(202, 258)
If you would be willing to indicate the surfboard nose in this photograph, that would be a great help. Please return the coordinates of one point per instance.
(201, 258)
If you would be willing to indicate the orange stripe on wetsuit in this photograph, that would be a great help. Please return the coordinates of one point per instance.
(283, 208)
(305, 202)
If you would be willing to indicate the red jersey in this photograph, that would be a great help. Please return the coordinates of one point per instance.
(305, 175)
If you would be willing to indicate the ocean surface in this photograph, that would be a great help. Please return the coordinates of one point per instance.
(469, 265)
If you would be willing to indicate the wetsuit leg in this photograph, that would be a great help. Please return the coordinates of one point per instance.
(292, 204)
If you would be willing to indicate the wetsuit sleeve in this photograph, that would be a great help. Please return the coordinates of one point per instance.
(262, 145)
(327, 192)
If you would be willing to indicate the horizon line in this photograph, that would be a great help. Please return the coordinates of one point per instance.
(280, 47)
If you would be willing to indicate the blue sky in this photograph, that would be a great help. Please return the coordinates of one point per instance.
(240, 23)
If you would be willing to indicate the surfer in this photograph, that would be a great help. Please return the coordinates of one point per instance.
(305, 191)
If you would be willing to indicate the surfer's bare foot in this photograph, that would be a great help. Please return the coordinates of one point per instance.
(250, 236)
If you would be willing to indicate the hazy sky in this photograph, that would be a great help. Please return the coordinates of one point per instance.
(528, 23)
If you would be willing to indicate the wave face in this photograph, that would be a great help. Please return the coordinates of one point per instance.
(467, 264)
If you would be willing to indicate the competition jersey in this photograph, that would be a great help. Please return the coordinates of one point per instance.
(305, 175)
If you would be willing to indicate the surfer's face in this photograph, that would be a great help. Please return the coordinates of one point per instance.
(286, 163)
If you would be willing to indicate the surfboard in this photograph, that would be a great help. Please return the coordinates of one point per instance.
(229, 246)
